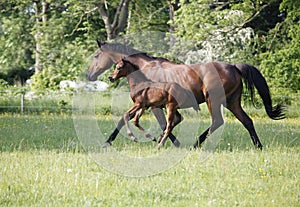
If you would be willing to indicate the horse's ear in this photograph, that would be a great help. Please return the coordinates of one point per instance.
(100, 43)
(120, 63)
(124, 59)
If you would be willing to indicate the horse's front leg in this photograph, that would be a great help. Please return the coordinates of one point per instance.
(160, 116)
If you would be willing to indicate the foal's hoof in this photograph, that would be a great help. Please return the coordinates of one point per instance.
(106, 144)
(153, 139)
(134, 139)
(159, 146)
(148, 136)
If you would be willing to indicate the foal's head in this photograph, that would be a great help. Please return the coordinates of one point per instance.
(123, 68)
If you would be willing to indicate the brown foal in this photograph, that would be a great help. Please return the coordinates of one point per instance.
(146, 93)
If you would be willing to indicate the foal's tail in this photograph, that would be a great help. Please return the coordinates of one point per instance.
(252, 77)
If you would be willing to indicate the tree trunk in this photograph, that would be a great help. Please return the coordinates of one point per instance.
(173, 6)
(118, 24)
(41, 19)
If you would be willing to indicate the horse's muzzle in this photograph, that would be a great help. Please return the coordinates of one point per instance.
(91, 77)
(111, 79)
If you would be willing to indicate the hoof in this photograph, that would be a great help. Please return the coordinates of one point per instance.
(134, 139)
(196, 145)
(176, 143)
(159, 139)
(148, 136)
(260, 147)
(106, 144)
(159, 146)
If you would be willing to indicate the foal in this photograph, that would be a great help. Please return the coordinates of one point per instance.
(145, 93)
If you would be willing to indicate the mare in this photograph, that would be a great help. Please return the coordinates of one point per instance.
(215, 83)
(146, 93)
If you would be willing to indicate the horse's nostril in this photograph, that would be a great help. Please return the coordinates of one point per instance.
(111, 79)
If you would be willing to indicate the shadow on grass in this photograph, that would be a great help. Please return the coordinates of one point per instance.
(56, 132)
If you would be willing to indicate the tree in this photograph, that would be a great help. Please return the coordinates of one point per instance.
(16, 40)
(222, 30)
(114, 24)
(280, 62)
(46, 36)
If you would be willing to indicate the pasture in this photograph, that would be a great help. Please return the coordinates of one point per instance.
(42, 163)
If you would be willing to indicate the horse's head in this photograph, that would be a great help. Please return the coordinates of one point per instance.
(102, 61)
(106, 55)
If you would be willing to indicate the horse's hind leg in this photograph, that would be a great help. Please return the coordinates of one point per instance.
(241, 115)
(160, 116)
(217, 121)
(137, 124)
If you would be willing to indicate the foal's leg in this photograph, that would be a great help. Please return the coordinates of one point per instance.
(137, 124)
(241, 115)
(131, 112)
(114, 134)
(160, 116)
(176, 120)
(171, 111)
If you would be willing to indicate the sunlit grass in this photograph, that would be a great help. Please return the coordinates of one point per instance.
(43, 164)
(244, 178)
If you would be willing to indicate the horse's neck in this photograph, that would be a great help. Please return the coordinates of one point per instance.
(135, 78)
(139, 60)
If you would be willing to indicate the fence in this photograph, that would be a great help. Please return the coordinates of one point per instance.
(22, 101)
(28, 101)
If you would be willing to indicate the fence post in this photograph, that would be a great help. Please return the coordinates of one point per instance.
(22, 101)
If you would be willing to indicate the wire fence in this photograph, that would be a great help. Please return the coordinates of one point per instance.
(24, 101)
(29, 101)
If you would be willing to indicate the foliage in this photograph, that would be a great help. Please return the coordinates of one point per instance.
(56, 38)
(281, 63)
(261, 33)
(71, 67)
(16, 39)
(150, 15)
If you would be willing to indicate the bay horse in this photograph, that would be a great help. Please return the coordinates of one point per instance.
(146, 93)
(215, 83)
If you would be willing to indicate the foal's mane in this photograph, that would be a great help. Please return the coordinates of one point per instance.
(140, 75)
(132, 64)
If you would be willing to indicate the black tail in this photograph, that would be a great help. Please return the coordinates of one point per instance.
(252, 77)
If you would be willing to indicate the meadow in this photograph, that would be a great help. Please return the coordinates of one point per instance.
(43, 163)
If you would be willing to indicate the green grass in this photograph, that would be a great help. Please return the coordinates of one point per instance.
(251, 178)
(43, 164)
